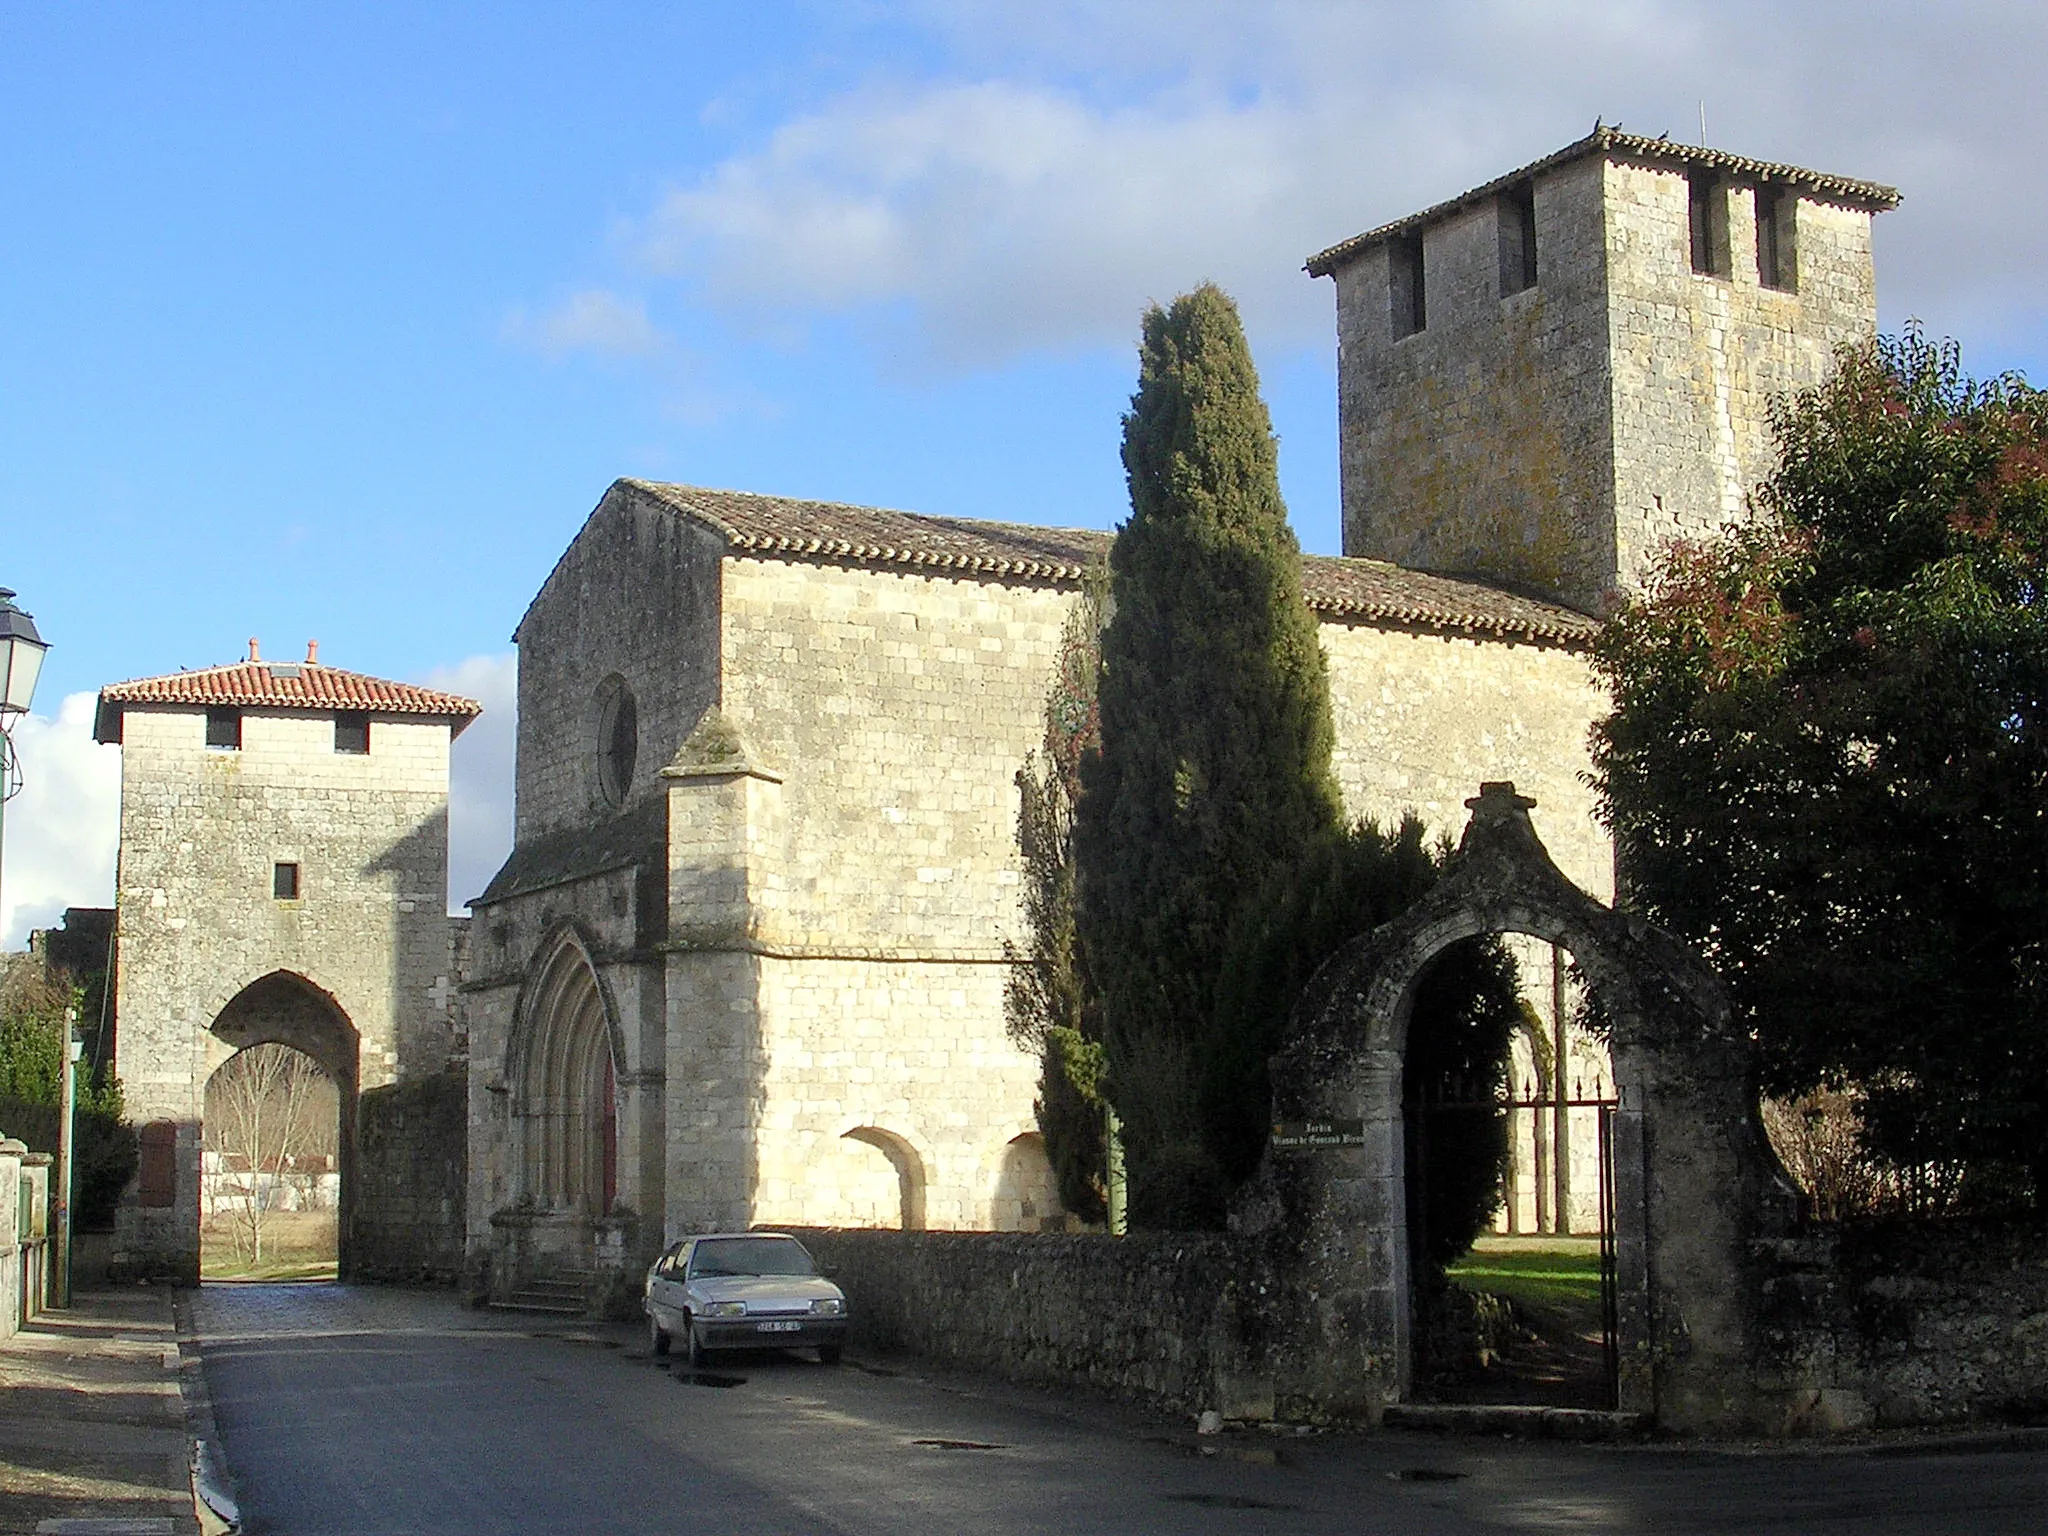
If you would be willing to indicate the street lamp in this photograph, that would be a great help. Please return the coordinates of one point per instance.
(21, 661)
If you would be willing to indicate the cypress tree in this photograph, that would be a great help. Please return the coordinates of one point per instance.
(1213, 771)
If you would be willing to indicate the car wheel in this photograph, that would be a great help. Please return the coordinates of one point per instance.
(657, 1336)
(828, 1354)
(698, 1354)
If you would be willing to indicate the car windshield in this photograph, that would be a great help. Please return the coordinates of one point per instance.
(751, 1256)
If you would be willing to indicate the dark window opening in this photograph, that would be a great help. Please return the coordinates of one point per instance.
(224, 729)
(1777, 238)
(618, 742)
(1410, 307)
(352, 732)
(1707, 208)
(1518, 239)
(284, 882)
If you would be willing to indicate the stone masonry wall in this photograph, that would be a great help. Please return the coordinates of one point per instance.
(1698, 359)
(1423, 719)
(1156, 1317)
(411, 1169)
(844, 917)
(1482, 443)
(1896, 1324)
(635, 595)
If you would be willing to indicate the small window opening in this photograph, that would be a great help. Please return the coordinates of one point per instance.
(352, 732)
(1518, 239)
(284, 882)
(618, 742)
(1405, 285)
(1708, 220)
(224, 729)
(1777, 243)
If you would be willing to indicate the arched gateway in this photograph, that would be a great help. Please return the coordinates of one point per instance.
(1694, 1181)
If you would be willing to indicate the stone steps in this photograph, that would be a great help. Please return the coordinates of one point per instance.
(559, 1293)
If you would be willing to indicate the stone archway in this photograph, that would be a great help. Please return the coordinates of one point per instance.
(1695, 1183)
(563, 1154)
(285, 1008)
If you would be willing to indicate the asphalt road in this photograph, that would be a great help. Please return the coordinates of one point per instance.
(356, 1410)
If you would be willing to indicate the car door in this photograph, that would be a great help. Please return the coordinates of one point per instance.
(667, 1290)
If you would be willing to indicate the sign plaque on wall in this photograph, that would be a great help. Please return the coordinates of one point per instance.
(1304, 1135)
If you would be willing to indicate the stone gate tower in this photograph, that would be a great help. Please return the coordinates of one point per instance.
(283, 877)
(1545, 380)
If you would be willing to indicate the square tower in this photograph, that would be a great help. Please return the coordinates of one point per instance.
(283, 878)
(1549, 378)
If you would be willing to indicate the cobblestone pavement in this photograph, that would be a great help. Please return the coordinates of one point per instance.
(92, 1426)
(359, 1411)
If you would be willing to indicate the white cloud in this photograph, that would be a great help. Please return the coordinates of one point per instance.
(1079, 159)
(589, 320)
(64, 826)
(480, 772)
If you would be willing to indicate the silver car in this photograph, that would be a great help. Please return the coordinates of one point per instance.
(743, 1290)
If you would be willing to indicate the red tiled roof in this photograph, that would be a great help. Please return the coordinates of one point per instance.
(1857, 193)
(282, 685)
(1370, 591)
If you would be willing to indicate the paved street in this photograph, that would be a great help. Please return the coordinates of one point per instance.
(368, 1411)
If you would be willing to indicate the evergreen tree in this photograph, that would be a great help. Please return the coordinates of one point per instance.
(1214, 768)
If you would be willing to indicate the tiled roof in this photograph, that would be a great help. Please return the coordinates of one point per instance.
(1623, 146)
(282, 685)
(1369, 591)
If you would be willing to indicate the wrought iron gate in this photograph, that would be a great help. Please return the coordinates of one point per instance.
(1430, 1120)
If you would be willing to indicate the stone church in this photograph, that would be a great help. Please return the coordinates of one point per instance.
(745, 961)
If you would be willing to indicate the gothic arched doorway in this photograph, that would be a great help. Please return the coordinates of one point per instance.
(564, 1099)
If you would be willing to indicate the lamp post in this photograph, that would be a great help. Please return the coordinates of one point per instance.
(21, 660)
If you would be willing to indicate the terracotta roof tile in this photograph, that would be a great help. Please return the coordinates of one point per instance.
(283, 685)
(1369, 591)
(1623, 146)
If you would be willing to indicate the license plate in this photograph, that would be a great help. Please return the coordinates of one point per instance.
(788, 1325)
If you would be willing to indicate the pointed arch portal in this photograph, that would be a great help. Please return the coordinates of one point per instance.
(565, 1092)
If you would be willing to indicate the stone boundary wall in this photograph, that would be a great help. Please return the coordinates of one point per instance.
(1888, 1327)
(1892, 1324)
(412, 1169)
(1154, 1317)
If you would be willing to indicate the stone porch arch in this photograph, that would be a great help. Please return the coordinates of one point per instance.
(1695, 1181)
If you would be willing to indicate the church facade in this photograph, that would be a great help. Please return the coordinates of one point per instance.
(745, 963)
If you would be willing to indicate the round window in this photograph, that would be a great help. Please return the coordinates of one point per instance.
(618, 741)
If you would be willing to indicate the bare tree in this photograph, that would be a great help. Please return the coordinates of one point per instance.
(264, 1111)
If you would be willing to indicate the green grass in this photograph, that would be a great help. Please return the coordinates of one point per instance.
(1550, 1278)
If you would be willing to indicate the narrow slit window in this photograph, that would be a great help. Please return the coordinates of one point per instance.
(224, 730)
(1518, 239)
(1777, 242)
(352, 733)
(284, 882)
(1707, 206)
(1410, 309)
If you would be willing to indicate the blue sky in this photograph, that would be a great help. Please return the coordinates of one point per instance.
(335, 321)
